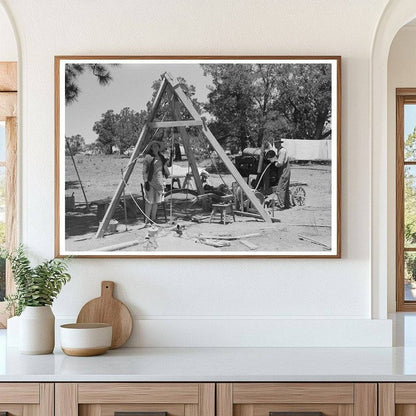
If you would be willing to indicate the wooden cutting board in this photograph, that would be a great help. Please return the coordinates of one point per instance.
(107, 309)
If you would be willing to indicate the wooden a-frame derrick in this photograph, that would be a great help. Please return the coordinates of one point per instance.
(177, 96)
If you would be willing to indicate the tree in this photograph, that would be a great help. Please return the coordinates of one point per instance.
(410, 190)
(106, 130)
(72, 73)
(231, 101)
(119, 129)
(410, 146)
(252, 102)
(129, 124)
(305, 100)
(93, 149)
(76, 145)
(265, 81)
(410, 205)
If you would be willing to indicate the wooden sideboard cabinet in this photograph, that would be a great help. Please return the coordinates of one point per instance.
(153, 399)
(208, 399)
(297, 399)
(27, 399)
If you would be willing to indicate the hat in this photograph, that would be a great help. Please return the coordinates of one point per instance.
(151, 143)
(154, 142)
(270, 154)
(204, 172)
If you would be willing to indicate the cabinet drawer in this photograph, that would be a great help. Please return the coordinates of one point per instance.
(297, 399)
(152, 399)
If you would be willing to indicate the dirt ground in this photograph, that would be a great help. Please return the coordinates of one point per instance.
(300, 229)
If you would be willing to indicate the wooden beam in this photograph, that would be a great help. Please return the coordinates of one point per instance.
(8, 79)
(177, 123)
(8, 105)
(253, 215)
(132, 162)
(187, 145)
(186, 101)
(236, 174)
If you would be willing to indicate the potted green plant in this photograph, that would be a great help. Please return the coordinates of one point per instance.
(36, 289)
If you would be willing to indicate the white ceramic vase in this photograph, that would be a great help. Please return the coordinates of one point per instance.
(13, 331)
(37, 330)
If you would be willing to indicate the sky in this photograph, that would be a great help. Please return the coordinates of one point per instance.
(131, 87)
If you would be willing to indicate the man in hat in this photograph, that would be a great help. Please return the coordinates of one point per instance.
(280, 159)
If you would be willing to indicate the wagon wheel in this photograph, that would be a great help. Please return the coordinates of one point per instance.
(298, 195)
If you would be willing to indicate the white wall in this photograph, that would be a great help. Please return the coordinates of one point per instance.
(401, 74)
(8, 47)
(179, 302)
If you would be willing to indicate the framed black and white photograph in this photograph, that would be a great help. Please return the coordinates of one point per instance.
(198, 156)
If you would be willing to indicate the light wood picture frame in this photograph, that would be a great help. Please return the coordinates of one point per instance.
(198, 156)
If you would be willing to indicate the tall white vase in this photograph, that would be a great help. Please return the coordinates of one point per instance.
(13, 331)
(37, 330)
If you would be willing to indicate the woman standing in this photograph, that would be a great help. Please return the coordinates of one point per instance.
(155, 169)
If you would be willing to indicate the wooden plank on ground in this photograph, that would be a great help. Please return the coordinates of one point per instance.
(249, 244)
(312, 240)
(253, 215)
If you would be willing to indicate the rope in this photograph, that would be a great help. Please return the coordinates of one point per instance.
(261, 176)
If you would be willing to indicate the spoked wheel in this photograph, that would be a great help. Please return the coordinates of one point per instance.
(298, 195)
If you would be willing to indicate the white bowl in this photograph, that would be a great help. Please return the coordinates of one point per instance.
(83, 340)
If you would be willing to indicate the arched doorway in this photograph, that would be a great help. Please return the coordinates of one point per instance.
(396, 15)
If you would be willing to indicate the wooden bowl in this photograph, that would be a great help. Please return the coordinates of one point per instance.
(84, 340)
